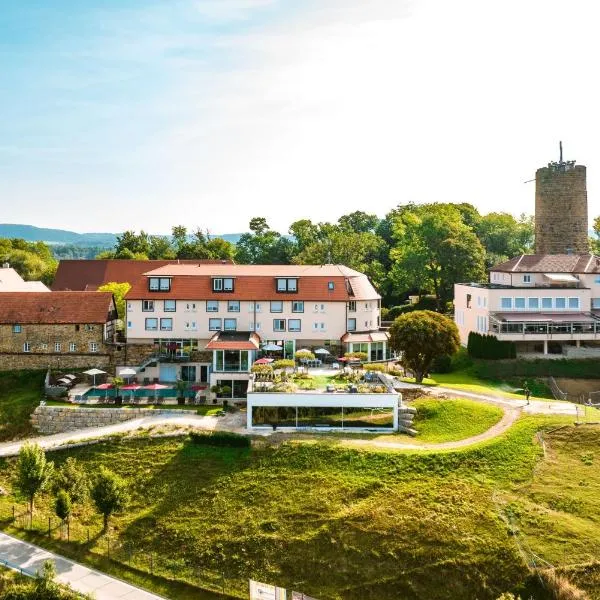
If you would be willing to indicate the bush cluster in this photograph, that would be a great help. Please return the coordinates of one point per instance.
(490, 347)
(220, 438)
(375, 367)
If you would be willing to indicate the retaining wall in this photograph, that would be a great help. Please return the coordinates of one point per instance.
(56, 419)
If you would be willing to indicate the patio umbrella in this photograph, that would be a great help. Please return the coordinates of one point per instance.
(272, 347)
(127, 372)
(321, 351)
(131, 388)
(263, 361)
(94, 372)
(155, 387)
(106, 387)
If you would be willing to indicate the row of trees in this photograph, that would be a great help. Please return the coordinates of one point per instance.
(421, 249)
(34, 261)
(70, 484)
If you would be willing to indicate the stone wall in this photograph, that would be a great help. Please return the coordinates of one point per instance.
(56, 419)
(561, 215)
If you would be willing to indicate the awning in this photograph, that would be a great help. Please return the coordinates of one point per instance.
(234, 340)
(540, 317)
(562, 277)
(375, 336)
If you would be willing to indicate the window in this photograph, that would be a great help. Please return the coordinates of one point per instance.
(482, 324)
(597, 280)
(44, 346)
(72, 347)
(254, 326)
(214, 324)
(560, 303)
(230, 324)
(526, 278)
(547, 303)
(285, 285)
(212, 306)
(533, 303)
(253, 306)
(93, 347)
(478, 301)
(148, 305)
(191, 306)
(294, 325)
(352, 306)
(298, 306)
(519, 303)
(505, 303)
(233, 306)
(366, 324)
(159, 284)
(129, 306)
(16, 329)
(595, 302)
(166, 324)
(322, 307)
(223, 284)
(367, 306)
(351, 325)
(151, 324)
(190, 326)
(574, 303)
(278, 324)
(129, 325)
(469, 298)
(27, 347)
(277, 306)
(170, 305)
(330, 285)
(57, 346)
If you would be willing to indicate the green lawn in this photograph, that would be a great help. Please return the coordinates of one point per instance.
(20, 393)
(333, 521)
(449, 420)
(465, 380)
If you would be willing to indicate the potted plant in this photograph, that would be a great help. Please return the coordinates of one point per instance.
(118, 384)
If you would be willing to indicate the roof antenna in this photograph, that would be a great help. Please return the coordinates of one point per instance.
(560, 146)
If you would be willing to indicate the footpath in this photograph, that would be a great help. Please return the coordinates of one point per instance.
(30, 559)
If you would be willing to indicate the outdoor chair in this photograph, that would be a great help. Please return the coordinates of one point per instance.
(146, 380)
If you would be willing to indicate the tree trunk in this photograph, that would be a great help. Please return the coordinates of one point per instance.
(418, 376)
(105, 523)
(31, 512)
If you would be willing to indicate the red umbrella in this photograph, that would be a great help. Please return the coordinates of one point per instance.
(131, 387)
(155, 387)
(106, 387)
(263, 361)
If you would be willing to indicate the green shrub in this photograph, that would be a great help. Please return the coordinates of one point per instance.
(283, 363)
(384, 313)
(490, 347)
(396, 311)
(442, 364)
(220, 438)
(262, 369)
(374, 367)
(361, 356)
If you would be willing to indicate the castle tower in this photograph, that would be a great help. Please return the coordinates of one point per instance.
(561, 215)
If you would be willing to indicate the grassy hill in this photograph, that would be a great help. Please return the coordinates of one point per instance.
(341, 523)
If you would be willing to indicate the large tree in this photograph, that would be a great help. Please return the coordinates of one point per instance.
(503, 236)
(34, 472)
(422, 336)
(109, 494)
(434, 249)
(262, 245)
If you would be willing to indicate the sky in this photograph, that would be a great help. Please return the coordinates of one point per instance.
(143, 114)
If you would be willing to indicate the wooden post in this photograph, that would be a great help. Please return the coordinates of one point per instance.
(88, 535)
(13, 513)
(68, 530)
(49, 526)
(151, 564)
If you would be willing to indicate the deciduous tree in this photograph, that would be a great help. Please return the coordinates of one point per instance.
(33, 472)
(109, 494)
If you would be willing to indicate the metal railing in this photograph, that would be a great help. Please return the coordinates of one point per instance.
(556, 391)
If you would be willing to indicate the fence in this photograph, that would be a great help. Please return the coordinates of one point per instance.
(556, 391)
(86, 543)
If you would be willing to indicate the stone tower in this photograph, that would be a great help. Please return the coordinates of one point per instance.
(561, 215)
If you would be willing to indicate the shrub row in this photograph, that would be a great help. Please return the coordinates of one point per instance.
(220, 438)
(490, 347)
(582, 368)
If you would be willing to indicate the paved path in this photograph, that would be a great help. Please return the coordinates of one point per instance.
(82, 579)
(57, 440)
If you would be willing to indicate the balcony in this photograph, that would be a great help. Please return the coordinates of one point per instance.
(545, 326)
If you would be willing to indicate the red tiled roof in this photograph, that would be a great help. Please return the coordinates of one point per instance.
(550, 263)
(54, 308)
(235, 340)
(91, 274)
(257, 282)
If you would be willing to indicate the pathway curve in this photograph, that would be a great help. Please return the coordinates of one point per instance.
(30, 558)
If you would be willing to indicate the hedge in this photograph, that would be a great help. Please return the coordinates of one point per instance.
(490, 347)
(220, 438)
(588, 368)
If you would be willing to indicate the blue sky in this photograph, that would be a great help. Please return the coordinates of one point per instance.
(130, 114)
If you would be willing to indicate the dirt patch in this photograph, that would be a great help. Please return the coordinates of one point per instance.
(575, 387)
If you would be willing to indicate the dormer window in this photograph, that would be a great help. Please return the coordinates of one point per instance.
(330, 285)
(159, 284)
(222, 284)
(526, 278)
(286, 285)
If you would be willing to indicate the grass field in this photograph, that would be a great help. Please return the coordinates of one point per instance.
(449, 420)
(20, 393)
(332, 521)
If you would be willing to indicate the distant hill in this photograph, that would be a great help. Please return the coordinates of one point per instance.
(62, 236)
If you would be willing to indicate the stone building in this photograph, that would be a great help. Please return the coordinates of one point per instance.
(57, 329)
(561, 212)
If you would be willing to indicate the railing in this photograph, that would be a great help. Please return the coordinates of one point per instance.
(18, 569)
(556, 391)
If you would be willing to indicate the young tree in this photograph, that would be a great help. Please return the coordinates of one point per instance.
(422, 336)
(119, 291)
(109, 493)
(72, 478)
(33, 472)
(62, 506)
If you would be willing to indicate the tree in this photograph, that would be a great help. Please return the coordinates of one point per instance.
(62, 506)
(129, 244)
(118, 383)
(359, 222)
(119, 291)
(422, 336)
(503, 236)
(33, 472)
(181, 386)
(263, 246)
(109, 494)
(72, 478)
